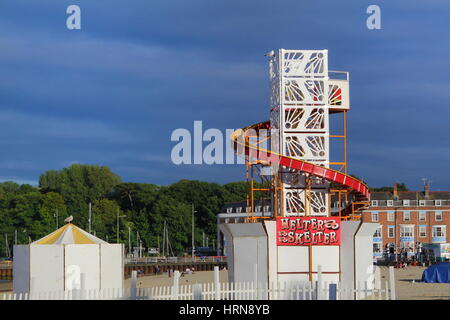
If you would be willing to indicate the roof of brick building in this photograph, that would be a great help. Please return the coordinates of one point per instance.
(411, 195)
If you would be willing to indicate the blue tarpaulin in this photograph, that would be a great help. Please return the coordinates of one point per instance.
(437, 273)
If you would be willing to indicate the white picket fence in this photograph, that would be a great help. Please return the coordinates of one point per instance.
(318, 290)
(260, 291)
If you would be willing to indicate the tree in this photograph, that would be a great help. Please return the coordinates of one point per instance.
(135, 196)
(177, 217)
(79, 185)
(53, 204)
(9, 187)
(29, 213)
(104, 218)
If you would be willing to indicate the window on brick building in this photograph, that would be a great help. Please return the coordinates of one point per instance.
(374, 216)
(377, 247)
(377, 233)
(390, 216)
(374, 203)
(406, 231)
(391, 231)
(438, 216)
(422, 231)
(438, 231)
(390, 203)
(422, 215)
(406, 216)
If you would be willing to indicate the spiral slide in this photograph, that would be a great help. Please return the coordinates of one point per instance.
(241, 145)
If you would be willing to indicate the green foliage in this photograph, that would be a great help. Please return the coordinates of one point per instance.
(143, 208)
(104, 218)
(79, 184)
(32, 214)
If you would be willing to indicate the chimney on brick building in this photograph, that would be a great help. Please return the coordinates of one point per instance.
(427, 190)
(395, 193)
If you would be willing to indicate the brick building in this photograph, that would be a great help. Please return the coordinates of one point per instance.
(409, 220)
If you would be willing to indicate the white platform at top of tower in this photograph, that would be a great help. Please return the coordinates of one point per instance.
(309, 65)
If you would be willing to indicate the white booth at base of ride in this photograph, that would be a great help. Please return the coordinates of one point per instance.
(250, 244)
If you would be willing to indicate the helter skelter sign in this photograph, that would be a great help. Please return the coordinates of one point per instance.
(318, 231)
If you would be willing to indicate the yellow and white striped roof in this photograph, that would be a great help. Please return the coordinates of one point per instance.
(69, 234)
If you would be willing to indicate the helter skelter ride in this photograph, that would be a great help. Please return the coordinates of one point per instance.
(288, 157)
(288, 162)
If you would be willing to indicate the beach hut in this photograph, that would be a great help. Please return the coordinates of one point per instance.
(66, 259)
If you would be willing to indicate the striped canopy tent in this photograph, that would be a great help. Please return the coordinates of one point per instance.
(57, 262)
(69, 234)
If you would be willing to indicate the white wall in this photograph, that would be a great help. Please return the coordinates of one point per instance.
(46, 267)
(272, 251)
(228, 244)
(249, 251)
(249, 247)
(348, 231)
(21, 268)
(327, 257)
(52, 267)
(357, 252)
(293, 262)
(364, 270)
(87, 258)
(111, 265)
(293, 259)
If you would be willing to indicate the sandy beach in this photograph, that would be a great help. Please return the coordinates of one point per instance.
(409, 287)
(5, 286)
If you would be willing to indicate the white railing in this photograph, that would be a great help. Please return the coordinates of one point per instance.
(318, 290)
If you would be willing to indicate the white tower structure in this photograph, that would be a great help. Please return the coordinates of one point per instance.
(299, 119)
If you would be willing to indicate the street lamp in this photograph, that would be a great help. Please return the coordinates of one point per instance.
(193, 231)
(90, 216)
(56, 217)
(118, 224)
(129, 239)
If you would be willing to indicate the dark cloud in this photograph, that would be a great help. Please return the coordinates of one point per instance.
(113, 92)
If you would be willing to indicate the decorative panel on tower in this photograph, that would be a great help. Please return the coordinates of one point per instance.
(338, 94)
(299, 121)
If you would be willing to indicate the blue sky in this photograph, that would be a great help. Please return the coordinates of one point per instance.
(112, 93)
